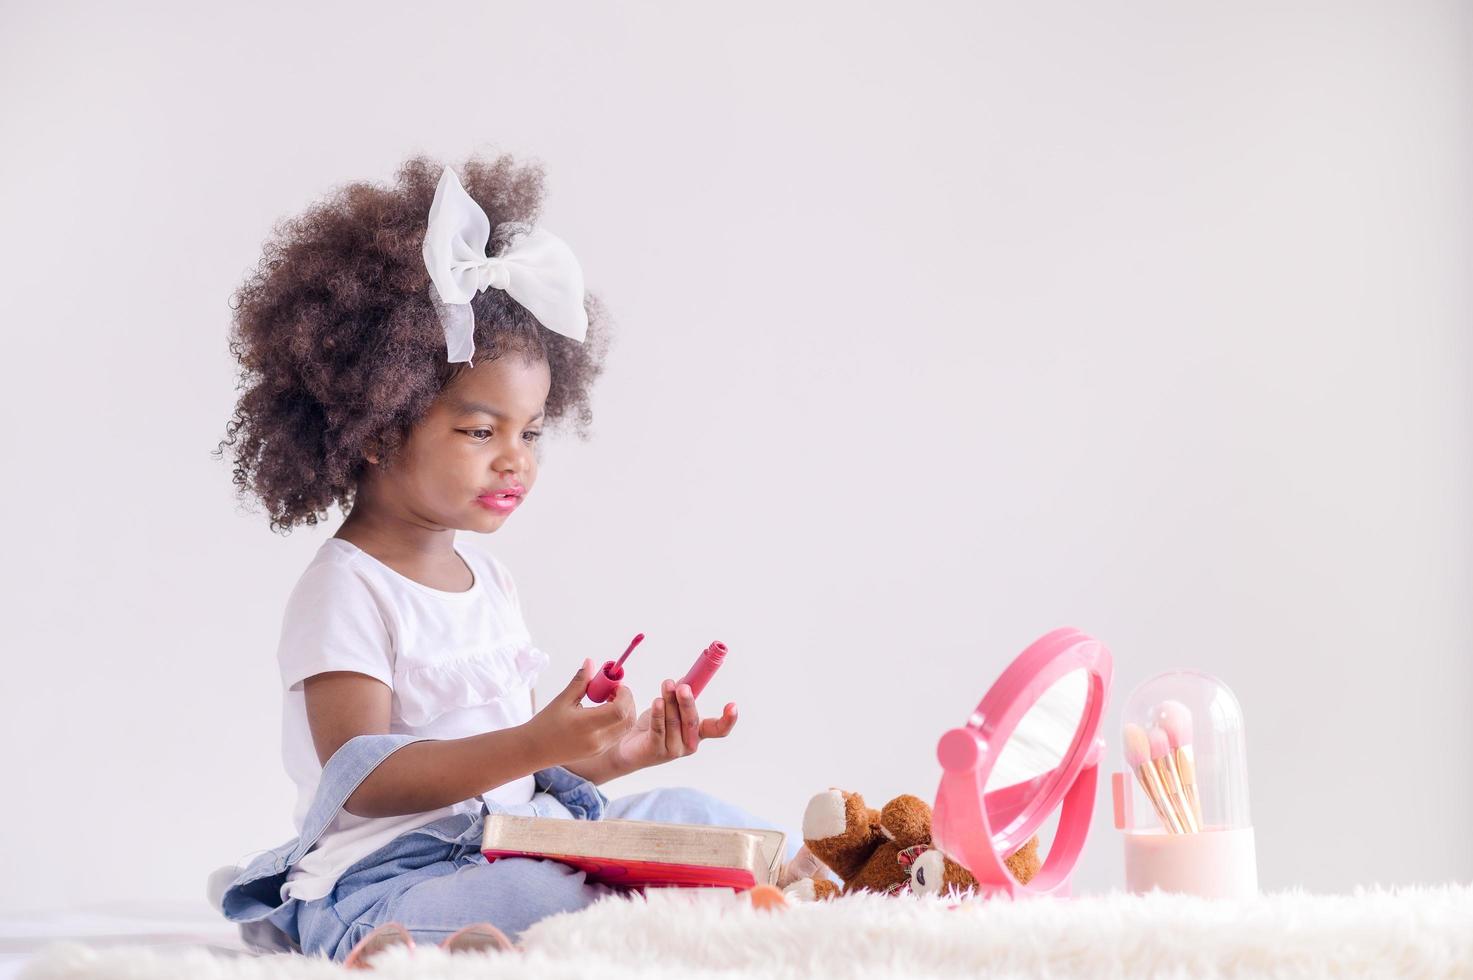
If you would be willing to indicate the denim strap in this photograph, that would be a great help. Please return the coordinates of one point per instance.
(256, 893)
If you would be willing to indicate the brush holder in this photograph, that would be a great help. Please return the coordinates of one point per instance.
(1184, 810)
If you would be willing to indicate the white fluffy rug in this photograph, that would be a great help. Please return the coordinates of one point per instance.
(688, 935)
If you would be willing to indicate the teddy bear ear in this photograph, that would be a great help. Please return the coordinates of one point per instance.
(907, 821)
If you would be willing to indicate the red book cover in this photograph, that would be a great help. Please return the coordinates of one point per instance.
(644, 874)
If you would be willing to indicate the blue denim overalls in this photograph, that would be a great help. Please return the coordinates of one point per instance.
(434, 879)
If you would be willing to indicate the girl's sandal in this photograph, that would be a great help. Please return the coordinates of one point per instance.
(480, 937)
(381, 938)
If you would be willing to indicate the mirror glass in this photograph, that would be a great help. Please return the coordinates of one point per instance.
(1038, 744)
(1019, 786)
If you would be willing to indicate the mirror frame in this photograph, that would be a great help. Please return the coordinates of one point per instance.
(964, 816)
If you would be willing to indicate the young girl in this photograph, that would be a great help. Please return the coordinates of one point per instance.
(402, 349)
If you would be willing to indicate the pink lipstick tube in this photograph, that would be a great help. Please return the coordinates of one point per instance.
(605, 683)
(704, 668)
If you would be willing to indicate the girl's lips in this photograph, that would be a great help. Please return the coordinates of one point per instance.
(501, 503)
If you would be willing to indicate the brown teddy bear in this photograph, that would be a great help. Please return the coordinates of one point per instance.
(887, 850)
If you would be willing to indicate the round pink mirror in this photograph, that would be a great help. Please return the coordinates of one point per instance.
(1030, 748)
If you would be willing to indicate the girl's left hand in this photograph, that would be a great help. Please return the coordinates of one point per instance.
(670, 728)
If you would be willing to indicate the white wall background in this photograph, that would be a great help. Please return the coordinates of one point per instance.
(940, 324)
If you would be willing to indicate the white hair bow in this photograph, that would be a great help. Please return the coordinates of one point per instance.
(537, 269)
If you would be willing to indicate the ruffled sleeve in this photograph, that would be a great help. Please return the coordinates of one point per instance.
(425, 691)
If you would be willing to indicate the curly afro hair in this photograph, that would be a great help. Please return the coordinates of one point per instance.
(340, 348)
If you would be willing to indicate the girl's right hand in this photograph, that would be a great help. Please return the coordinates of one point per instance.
(567, 730)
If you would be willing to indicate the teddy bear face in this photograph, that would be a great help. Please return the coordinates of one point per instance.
(932, 872)
(928, 873)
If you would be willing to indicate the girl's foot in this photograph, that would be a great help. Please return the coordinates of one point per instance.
(481, 937)
(380, 939)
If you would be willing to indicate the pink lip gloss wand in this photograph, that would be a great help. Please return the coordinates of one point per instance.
(606, 681)
(704, 668)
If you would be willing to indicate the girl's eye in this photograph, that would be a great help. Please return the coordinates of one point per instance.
(481, 435)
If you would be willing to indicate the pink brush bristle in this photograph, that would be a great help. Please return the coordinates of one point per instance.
(1137, 746)
(1176, 721)
(1160, 744)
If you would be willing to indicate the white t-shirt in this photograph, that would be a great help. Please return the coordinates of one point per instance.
(459, 663)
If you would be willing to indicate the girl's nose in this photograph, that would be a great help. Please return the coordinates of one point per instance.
(510, 460)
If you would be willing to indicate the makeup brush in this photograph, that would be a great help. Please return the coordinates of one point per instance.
(1176, 721)
(1138, 757)
(1165, 764)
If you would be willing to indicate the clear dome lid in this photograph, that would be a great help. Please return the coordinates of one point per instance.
(1185, 757)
